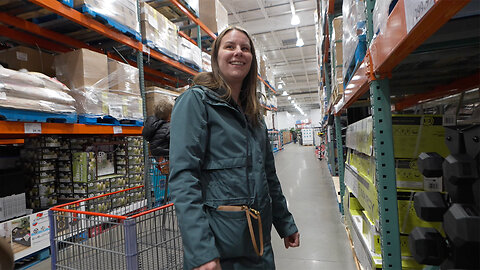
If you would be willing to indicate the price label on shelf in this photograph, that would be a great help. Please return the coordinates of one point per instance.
(415, 10)
(117, 130)
(33, 128)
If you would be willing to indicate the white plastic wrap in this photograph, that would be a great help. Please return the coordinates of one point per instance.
(123, 78)
(336, 48)
(33, 91)
(189, 52)
(123, 12)
(159, 32)
(206, 62)
(380, 16)
(353, 26)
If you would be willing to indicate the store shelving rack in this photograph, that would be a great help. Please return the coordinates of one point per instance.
(158, 67)
(397, 60)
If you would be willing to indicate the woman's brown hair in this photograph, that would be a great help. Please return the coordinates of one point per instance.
(214, 80)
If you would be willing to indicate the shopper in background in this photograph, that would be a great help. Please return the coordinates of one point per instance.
(294, 136)
(222, 167)
(156, 129)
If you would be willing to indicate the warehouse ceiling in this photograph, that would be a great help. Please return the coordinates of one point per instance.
(268, 21)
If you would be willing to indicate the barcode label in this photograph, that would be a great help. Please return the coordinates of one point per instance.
(432, 184)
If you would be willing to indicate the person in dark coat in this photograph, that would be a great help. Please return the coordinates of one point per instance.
(156, 129)
(223, 180)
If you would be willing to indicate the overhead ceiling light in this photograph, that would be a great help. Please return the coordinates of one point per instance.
(300, 42)
(295, 20)
(280, 86)
(289, 97)
(293, 102)
(284, 93)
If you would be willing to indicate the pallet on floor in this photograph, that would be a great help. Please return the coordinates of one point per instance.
(7, 114)
(107, 120)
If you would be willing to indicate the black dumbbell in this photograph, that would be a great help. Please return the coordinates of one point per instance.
(430, 206)
(472, 141)
(427, 246)
(461, 223)
(459, 168)
(460, 193)
(454, 141)
(430, 164)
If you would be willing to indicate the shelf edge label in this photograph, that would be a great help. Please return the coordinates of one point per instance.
(415, 10)
(33, 128)
(117, 130)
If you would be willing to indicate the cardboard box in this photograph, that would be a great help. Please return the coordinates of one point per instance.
(214, 15)
(337, 28)
(154, 95)
(29, 59)
(123, 78)
(158, 31)
(189, 52)
(123, 12)
(263, 67)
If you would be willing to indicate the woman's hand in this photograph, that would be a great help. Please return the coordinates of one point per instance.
(292, 240)
(211, 265)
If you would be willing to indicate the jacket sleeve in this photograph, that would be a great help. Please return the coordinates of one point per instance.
(282, 218)
(187, 149)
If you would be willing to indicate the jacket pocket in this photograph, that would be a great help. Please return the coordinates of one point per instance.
(225, 179)
(232, 237)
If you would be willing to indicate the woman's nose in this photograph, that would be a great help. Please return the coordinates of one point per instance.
(238, 51)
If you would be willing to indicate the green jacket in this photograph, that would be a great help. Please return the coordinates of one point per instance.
(218, 158)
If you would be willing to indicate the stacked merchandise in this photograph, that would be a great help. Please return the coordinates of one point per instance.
(158, 32)
(206, 62)
(156, 95)
(34, 92)
(135, 168)
(212, 14)
(40, 157)
(354, 36)
(101, 87)
(337, 59)
(120, 14)
(189, 53)
(12, 193)
(412, 134)
(34, 60)
(64, 172)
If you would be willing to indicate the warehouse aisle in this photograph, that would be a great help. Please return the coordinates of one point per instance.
(308, 187)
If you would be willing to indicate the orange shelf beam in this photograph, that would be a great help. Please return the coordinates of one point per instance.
(11, 141)
(32, 40)
(194, 18)
(331, 6)
(266, 84)
(455, 87)
(18, 128)
(182, 34)
(395, 44)
(391, 47)
(98, 27)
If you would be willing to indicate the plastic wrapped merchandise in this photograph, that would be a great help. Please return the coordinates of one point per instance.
(158, 32)
(354, 35)
(31, 59)
(337, 50)
(206, 62)
(33, 91)
(156, 95)
(380, 16)
(132, 107)
(123, 12)
(123, 78)
(189, 52)
(86, 73)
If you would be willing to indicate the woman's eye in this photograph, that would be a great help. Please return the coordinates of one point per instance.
(245, 49)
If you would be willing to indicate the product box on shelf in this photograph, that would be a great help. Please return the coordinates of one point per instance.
(123, 78)
(206, 62)
(12, 206)
(121, 14)
(85, 72)
(189, 53)
(158, 32)
(214, 15)
(155, 96)
(30, 59)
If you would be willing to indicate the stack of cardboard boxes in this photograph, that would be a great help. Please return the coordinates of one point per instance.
(336, 51)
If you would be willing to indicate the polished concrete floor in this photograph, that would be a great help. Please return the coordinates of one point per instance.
(308, 187)
(310, 193)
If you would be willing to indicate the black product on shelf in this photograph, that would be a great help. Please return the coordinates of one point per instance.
(430, 206)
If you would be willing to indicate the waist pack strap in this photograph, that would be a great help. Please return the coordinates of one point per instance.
(250, 213)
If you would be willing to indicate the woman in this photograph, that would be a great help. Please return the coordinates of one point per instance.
(222, 172)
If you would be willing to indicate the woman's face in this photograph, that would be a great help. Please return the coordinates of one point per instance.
(234, 57)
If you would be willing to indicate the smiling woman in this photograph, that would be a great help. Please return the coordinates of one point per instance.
(222, 172)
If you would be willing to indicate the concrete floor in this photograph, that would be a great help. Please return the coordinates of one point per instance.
(310, 192)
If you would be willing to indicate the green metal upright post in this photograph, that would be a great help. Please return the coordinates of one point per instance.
(341, 162)
(385, 178)
(146, 175)
(386, 183)
(199, 37)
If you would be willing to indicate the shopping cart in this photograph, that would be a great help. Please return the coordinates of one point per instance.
(159, 171)
(93, 234)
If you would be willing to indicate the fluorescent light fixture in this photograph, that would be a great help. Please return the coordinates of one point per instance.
(293, 102)
(289, 97)
(280, 86)
(284, 93)
(300, 42)
(295, 19)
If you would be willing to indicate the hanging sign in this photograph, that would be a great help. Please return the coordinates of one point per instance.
(415, 10)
